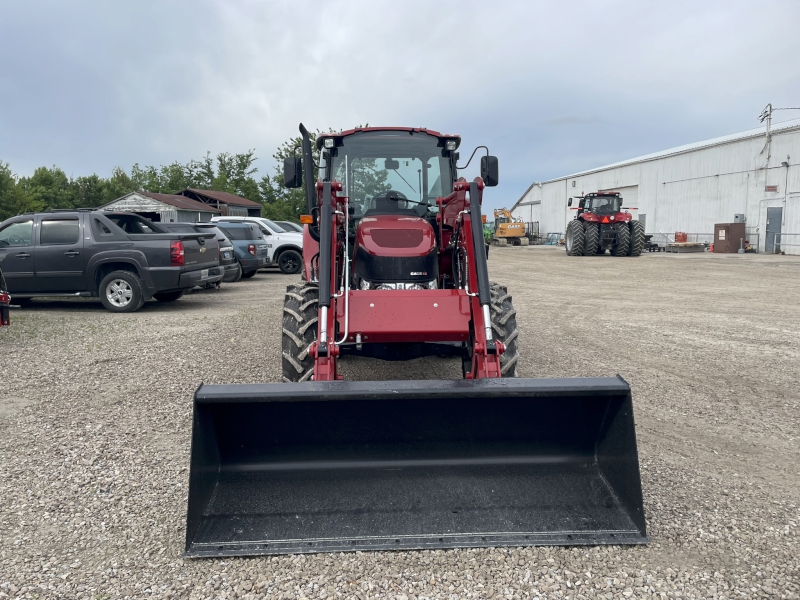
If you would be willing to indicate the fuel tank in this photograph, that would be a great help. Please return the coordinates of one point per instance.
(394, 249)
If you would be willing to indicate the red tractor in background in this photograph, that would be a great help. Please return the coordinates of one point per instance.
(601, 225)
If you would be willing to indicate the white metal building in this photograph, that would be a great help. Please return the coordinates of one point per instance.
(692, 187)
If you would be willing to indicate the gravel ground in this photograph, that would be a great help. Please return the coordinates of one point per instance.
(95, 426)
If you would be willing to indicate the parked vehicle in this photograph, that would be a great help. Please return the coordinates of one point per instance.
(227, 260)
(289, 226)
(285, 247)
(249, 247)
(120, 258)
(5, 302)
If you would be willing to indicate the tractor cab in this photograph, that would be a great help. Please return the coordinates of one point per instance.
(600, 204)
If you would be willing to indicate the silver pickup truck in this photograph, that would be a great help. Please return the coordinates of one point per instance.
(120, 258)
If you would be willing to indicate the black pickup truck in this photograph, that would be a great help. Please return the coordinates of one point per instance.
(119, 257)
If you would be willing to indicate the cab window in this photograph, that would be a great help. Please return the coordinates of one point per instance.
(17, 234)
(59, 232)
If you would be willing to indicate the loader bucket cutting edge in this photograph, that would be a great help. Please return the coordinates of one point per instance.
(336, 466)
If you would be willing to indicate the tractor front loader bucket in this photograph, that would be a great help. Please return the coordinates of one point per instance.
(334, 466)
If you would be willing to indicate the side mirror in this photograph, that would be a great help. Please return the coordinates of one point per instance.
(292, 172)
(569, 202)
(490, 172)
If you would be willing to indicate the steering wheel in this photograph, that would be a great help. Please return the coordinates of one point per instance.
(394, 196)
(16, 240)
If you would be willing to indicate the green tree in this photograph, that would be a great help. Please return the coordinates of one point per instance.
(50, 188)
(13, 201)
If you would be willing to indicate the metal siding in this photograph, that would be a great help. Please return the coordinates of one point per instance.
(691, 191)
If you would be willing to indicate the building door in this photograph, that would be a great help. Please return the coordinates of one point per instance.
(774, 217)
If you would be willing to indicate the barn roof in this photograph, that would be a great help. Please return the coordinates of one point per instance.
(225, 197)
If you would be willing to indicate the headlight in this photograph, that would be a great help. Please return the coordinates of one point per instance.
(329, 143)
(450, 145)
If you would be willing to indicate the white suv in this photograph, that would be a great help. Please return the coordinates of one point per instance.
(285, 247)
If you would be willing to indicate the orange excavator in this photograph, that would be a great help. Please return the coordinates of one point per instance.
(508, 230)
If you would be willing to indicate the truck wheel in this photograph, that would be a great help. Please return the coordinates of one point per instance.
(637, 238)
(622, 246)
(121, 291)
(290, 262)
(575, 238)
(300, 306)
(592, 239)
(249, 274)
(168, 296)
(504, 328)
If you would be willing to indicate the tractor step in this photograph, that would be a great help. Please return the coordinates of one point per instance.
(337, 466)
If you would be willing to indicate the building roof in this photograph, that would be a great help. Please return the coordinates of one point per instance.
(224, 197)
(777, 128)
(181, 202)
(781, 127)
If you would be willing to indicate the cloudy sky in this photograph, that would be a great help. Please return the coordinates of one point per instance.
(551, 87)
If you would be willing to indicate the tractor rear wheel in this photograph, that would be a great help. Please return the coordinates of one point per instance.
(592, 239)
(575, 238)
(504, 328)
(300, 306)
(622, 246)
(637, 238)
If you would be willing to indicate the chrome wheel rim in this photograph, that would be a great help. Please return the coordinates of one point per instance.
(119, 293)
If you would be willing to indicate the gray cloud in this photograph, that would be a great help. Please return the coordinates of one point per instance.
(92, 85)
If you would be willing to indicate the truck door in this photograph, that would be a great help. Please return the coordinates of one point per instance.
(16, 256)
(60, 260)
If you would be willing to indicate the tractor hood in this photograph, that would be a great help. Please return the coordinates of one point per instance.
(395, 235)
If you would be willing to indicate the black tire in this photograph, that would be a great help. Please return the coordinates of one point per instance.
(300, 305)
(249, 274)
(121, 292)
(504, 328)
(637, 238)
(290, 262)
(169, 296)
(575, 238)
(592, 239)
(236, 277)
(623, 244)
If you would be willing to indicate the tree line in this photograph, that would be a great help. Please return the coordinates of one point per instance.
(50, 187)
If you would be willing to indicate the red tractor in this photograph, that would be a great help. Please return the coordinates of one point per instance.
(601, 225)
(394, 267)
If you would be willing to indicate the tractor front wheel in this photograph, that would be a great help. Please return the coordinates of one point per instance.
(504, 328)
(592, 239)
(574, 238)
(300, 306)
(637, 238)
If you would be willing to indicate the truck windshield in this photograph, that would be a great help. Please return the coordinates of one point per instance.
(372, 164)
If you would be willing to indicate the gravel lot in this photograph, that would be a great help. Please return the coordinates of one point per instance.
(95, 425)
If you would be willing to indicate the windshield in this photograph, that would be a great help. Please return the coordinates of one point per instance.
(275, 227)
(392, 171)
(604, 204)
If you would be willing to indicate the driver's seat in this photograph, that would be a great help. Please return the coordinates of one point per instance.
(383, 205)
